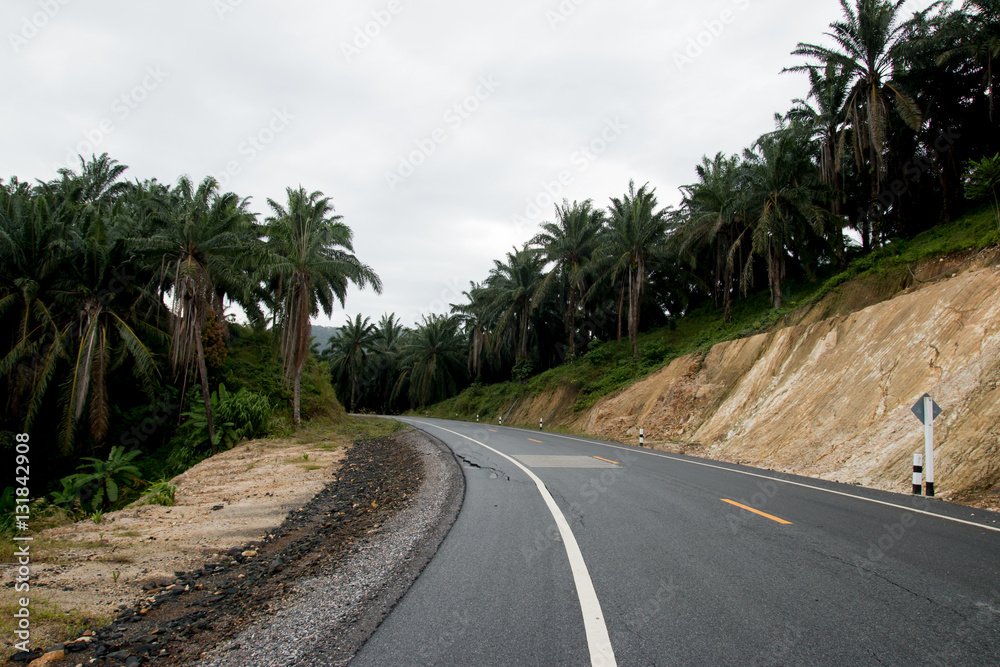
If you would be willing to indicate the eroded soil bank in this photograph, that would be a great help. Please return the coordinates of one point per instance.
(830, 396)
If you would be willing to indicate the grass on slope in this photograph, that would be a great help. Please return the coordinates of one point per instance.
(608, 367)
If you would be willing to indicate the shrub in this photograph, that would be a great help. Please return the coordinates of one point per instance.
(245, 414)
(99, 486)
(159, 493)
(249, 412)
(522, 370)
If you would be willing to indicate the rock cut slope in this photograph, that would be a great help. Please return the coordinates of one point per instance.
(832, 398)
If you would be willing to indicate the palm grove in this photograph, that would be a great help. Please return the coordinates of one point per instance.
(113, 297)
(113, 294)
(896, 128)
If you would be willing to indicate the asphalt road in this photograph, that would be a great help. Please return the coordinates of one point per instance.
(644, 558)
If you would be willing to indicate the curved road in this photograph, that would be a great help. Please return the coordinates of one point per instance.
(570, 551)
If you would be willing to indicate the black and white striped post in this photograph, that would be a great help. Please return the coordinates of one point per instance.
(477, 419)
(642, 438)
(926, 410)
(501, 420)
(918, 473)
(539, 423)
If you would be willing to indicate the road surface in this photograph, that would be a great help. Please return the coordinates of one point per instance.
(570, 551)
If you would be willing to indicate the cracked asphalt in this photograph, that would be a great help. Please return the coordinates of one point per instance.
(694, 562)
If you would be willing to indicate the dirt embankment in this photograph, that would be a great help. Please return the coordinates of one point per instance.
(83, 572)
(831, 396)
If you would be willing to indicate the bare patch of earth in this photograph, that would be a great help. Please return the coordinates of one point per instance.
(88, 571)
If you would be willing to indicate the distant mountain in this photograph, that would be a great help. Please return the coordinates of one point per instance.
(322, 335)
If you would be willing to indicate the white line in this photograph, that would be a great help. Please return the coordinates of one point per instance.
(778, 479)
(598, 641)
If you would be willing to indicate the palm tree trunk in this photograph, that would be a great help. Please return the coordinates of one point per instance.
(206, 395)
(621, 306)
(180, 409)
(727, 294)
(524, 332)
(572, 324)
(634, 282)
(297, 399)
(774, 275)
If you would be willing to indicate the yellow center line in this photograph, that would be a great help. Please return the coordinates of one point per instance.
(493, 430)
(608, 460)
(763, 514)
(538, 441)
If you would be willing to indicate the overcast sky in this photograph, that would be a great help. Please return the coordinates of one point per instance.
(439, 128)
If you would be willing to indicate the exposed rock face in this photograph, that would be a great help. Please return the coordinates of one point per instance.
(832, 398)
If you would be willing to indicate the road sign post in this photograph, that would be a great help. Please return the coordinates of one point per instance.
(929, 444)
(926, 410)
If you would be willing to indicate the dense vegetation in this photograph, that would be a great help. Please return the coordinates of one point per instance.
(114, 330)
(894, 134)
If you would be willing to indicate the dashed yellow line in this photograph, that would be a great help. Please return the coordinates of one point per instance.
(763, 514)
(538, 441)
(493, 430)
(608, 460)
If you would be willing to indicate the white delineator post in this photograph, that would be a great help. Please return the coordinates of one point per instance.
(642, 438)
(918, 473)
(539, 423)
(929, 444)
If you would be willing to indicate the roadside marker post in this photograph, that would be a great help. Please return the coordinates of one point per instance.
(642, 438)
(929, 442)
(477, 419)
(918, 473)
(539, 423)
(501, 420)
(926, 410)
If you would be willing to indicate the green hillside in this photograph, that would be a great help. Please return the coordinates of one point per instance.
(609, 366)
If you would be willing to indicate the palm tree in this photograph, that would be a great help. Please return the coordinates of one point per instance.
(712, 215)
(315, 263)
(35, 246)
(475, 317)
(209, 248)
(79, 295)
(780, 199)
(569, 244)
(433, 360)
(868, 43)
(386, 352)
(636, 239)
(349, 354)
(98, 183)
(109, 326)
(828, 89)
(977, 28)
(509, 296)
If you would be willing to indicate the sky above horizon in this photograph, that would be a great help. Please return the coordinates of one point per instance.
(442, 131)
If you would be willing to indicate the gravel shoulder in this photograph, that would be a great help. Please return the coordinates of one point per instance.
(308, 592)
(355, 596)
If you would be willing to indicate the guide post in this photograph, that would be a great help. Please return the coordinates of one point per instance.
(926, 410)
